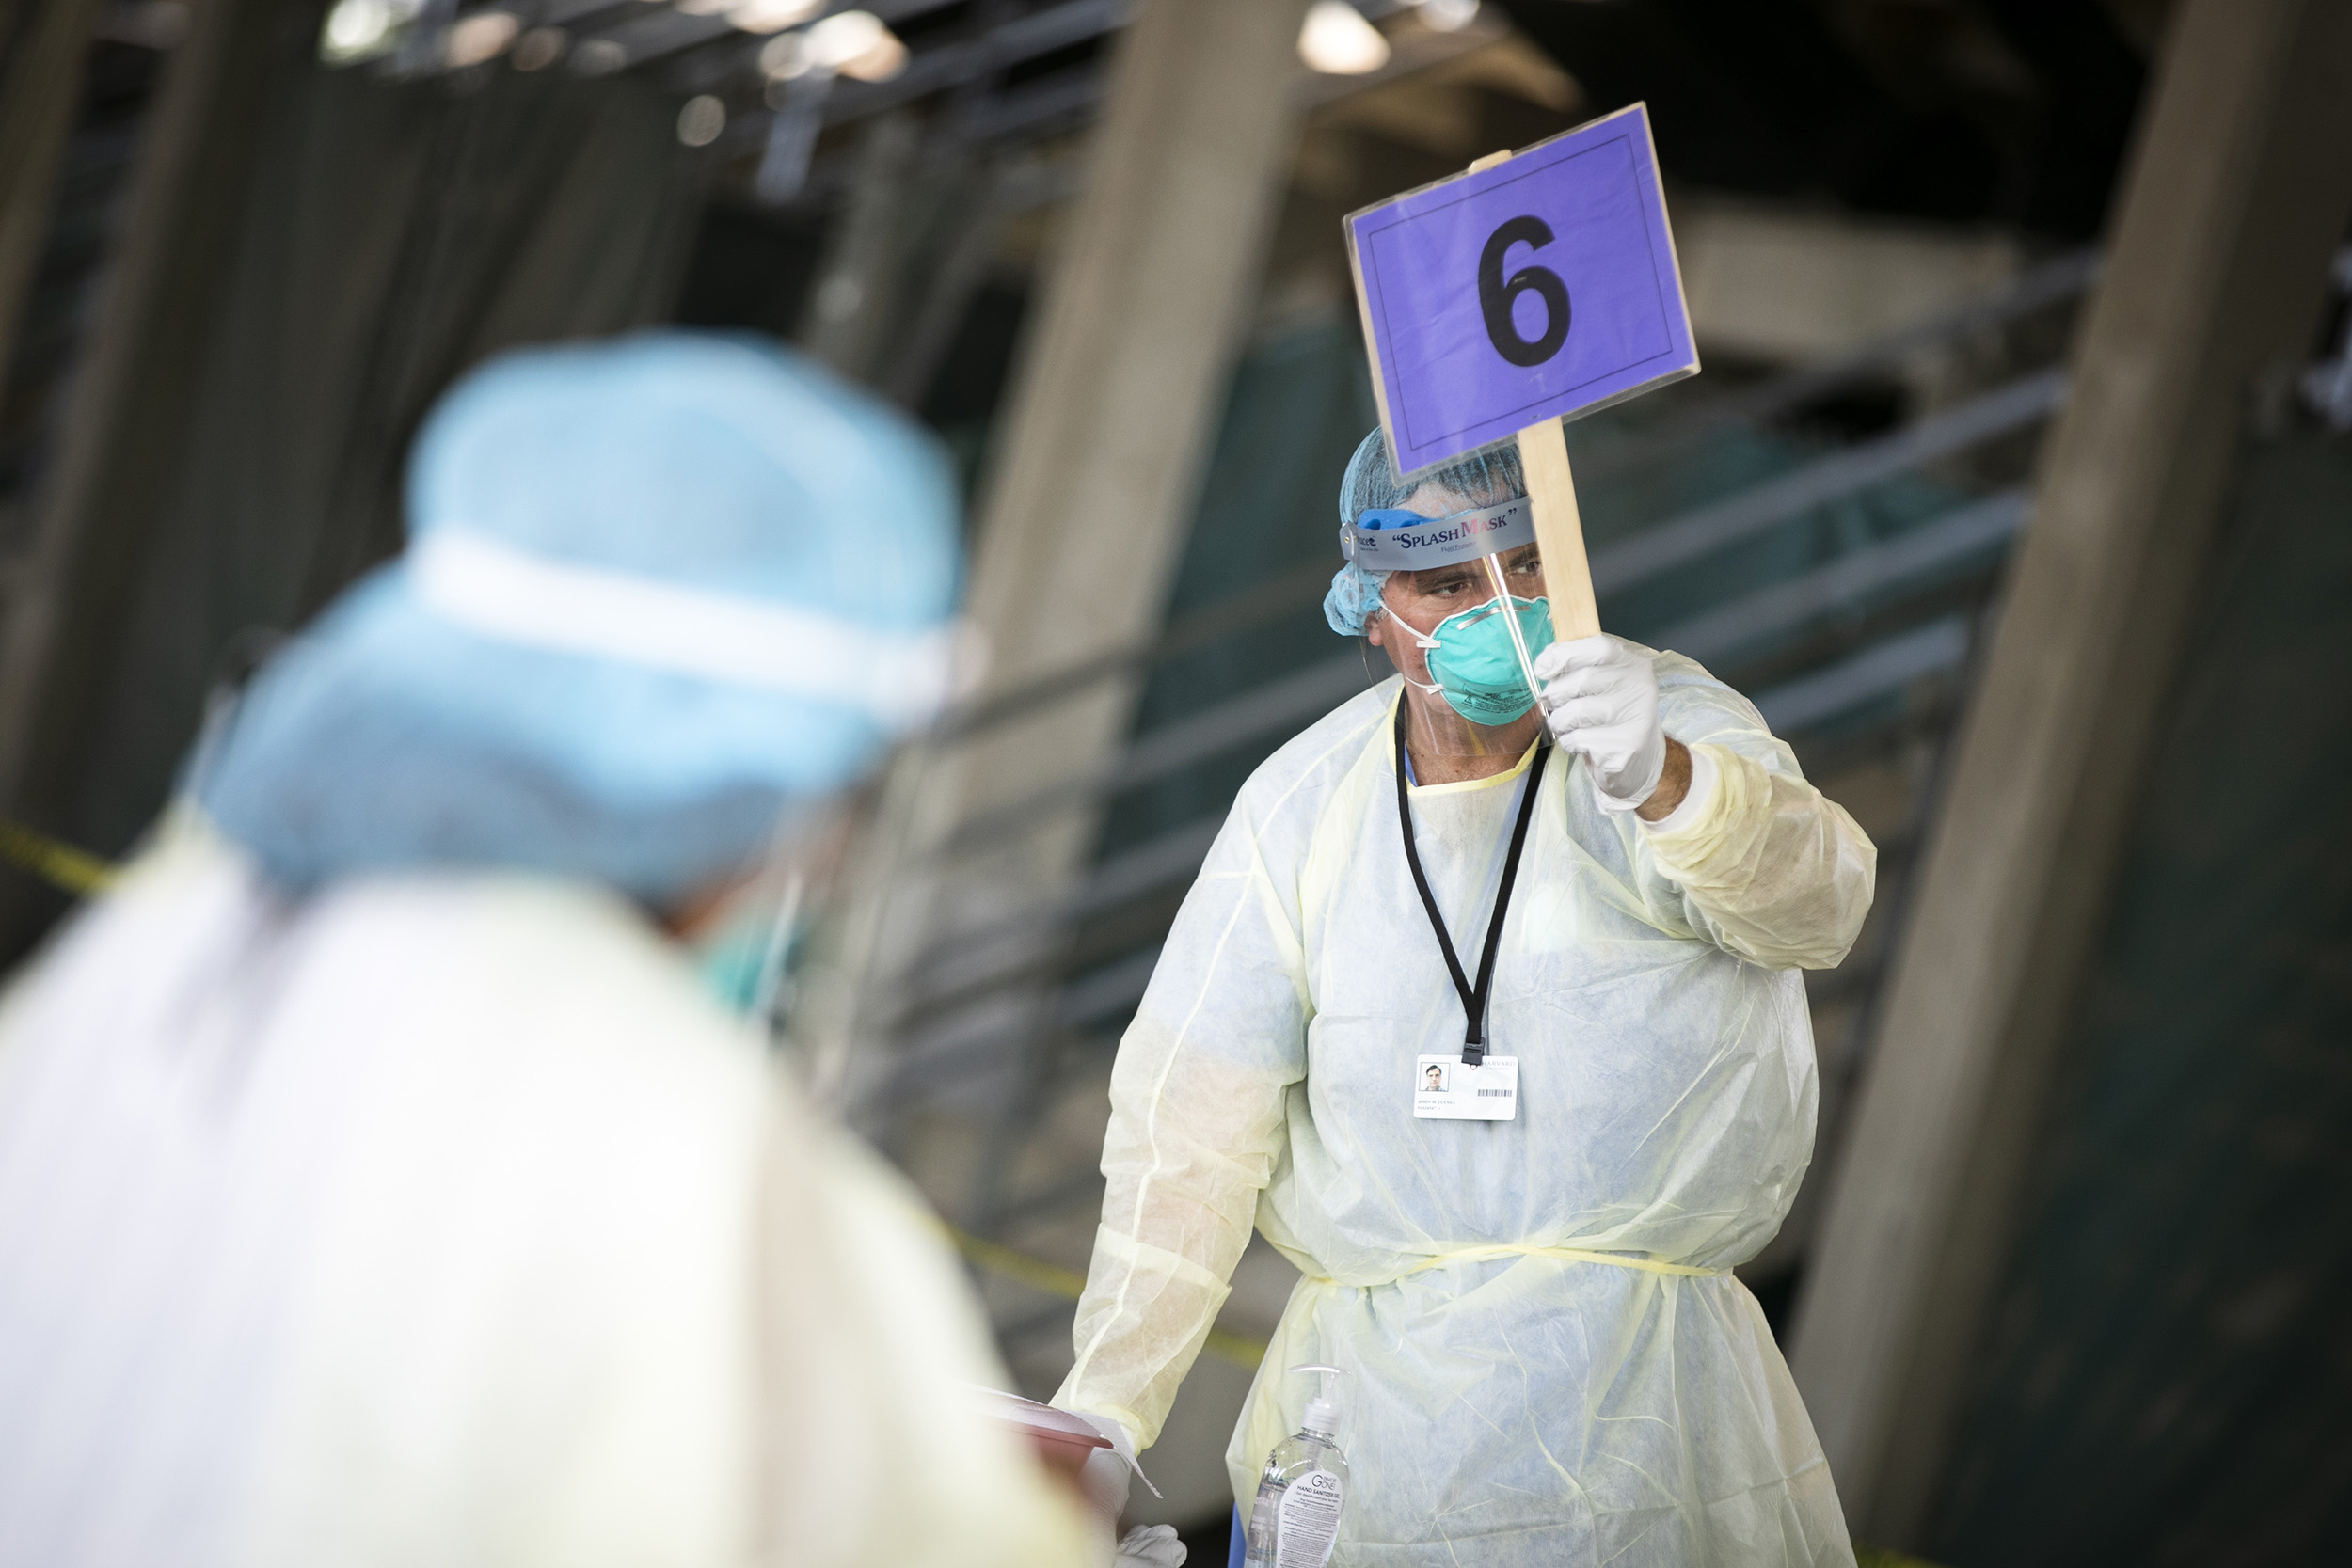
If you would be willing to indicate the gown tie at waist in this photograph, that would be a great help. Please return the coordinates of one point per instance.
(1573, 1255)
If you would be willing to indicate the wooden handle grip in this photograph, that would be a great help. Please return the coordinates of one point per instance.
(1559, 531)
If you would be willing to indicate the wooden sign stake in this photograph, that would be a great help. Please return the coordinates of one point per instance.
(1559, 531)
(1559, 526)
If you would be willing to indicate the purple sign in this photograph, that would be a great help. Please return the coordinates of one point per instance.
(1542, 288)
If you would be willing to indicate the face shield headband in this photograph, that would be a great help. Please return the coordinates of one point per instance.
(1483, 660)
(1388, 540)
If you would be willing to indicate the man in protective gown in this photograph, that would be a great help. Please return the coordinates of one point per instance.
(1547, 1358)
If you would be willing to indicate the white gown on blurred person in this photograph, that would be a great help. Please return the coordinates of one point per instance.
(439, 1219)
(378, 1187)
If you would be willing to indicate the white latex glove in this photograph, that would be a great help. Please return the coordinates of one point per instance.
(1601, 700)
(1109, 1472)
(1150, 1546)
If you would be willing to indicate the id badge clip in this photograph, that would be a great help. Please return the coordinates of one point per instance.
(1447, 1088)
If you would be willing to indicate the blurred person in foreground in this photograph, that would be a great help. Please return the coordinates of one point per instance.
(376, 1184)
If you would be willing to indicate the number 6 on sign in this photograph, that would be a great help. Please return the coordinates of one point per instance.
(1532, 289)
(1496, 298)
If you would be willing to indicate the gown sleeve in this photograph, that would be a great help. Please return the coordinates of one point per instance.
(1197, 1124)
(1767, 868)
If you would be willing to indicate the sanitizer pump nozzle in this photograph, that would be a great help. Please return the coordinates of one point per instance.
(1323, 1411)
(1296, 1520)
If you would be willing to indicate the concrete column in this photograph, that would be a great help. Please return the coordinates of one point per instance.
(2237, 192)
(1097, 468)
(1125, 370)
(1154, 273)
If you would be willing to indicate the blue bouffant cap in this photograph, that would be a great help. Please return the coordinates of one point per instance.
(656, 590)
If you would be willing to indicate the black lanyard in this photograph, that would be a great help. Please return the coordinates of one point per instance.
(1473, 1001)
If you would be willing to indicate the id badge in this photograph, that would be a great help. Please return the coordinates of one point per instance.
(1446, 1088)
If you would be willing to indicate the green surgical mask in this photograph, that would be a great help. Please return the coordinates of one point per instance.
(1476, 668)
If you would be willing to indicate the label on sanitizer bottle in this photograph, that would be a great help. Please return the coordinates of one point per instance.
(1308, 1521)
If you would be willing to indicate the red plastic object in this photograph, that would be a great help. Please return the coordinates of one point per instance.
(1061, 1441)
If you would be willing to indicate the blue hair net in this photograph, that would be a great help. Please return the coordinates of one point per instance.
(1487, 476)
(393, 735)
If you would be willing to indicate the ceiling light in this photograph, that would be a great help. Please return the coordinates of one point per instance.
(479, 38)
(1447, 16)
(769, 16)
(360, 29)
(540, 48)
(599, 57)
(781, 58)
(1336, 40)
(855, 45)
(701, 120)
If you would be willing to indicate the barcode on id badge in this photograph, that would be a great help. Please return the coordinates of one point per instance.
(1494, 1094)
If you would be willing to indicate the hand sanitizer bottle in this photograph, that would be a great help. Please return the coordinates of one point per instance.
(1296, 1517)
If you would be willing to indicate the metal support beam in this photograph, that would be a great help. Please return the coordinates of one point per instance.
(1295, 699)
(1966, 533)
(2237, 194)
(1685, 538)
(130, 404)
(40, 88)
(2054, 282)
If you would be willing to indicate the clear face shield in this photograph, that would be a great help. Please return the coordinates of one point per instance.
(750, 939)
(1481, 659)
(759, 941)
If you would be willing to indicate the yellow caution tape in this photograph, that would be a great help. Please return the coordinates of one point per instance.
(1066, 1283)
(1238, 1349)
(1870, 1556)
(53, 860)
(1033, 1272)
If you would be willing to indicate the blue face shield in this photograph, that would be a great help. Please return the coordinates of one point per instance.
(1472, 659)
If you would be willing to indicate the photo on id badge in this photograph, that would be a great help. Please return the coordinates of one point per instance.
(1446, 1088)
